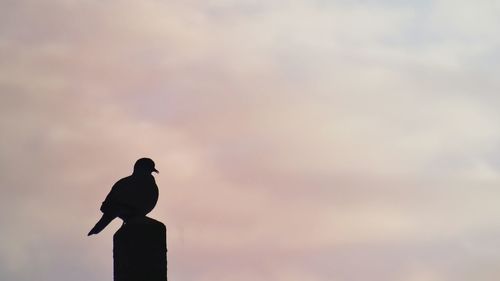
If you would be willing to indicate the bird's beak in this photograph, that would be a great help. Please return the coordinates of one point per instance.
(156, 171)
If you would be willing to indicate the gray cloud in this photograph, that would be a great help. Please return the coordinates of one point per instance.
(318, 141)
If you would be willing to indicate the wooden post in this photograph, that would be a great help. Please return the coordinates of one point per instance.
(140, 251)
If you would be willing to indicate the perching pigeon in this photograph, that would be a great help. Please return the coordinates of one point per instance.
(133, 196)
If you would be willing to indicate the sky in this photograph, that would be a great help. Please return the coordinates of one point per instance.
(296, 139)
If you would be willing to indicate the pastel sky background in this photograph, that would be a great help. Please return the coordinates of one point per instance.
(297, 140)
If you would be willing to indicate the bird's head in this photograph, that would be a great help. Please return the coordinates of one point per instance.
(145, 166)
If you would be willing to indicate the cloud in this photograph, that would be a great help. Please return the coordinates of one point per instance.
(295, 139)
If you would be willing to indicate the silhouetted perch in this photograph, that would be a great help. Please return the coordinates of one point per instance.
(140, 251)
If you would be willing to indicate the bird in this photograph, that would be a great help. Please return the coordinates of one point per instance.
(132, 196)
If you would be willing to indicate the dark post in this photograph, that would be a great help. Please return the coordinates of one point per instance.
(140, 251)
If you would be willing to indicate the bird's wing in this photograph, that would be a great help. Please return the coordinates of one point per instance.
(114, 200)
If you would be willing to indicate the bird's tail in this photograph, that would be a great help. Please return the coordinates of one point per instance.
(101, 224)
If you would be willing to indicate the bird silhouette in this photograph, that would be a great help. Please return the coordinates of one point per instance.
(132, 196)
